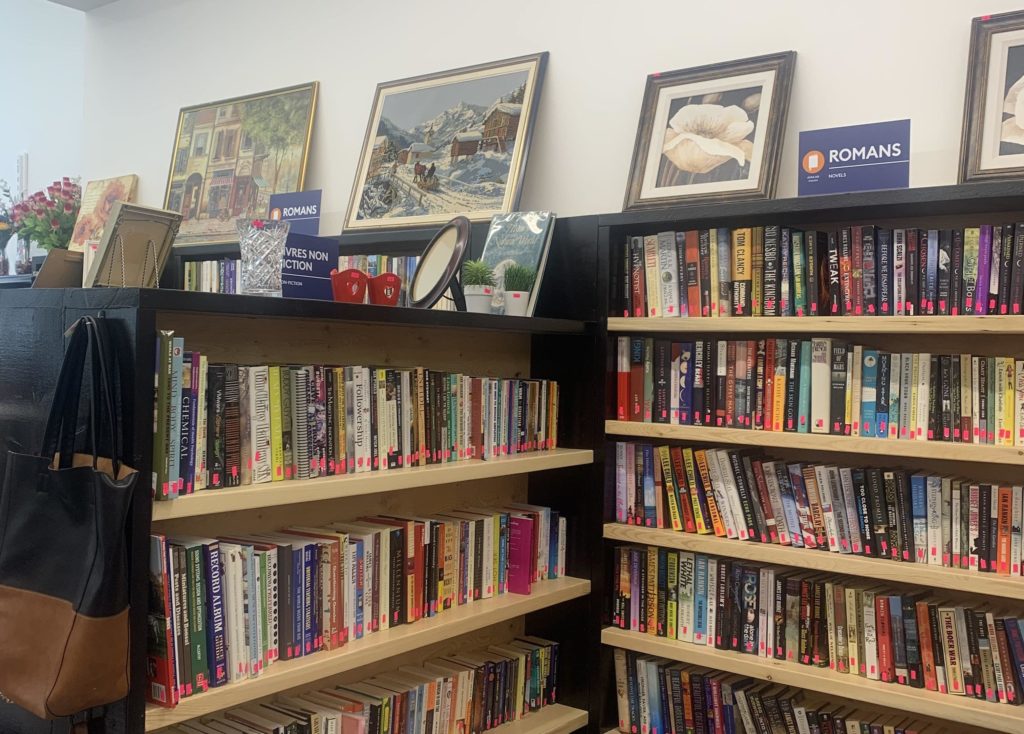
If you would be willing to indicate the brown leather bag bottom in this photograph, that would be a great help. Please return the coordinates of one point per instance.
(45, 636)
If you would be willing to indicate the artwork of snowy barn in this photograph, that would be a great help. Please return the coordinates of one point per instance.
(449, 143)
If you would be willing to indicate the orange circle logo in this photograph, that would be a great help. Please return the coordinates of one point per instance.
(275, 214)
(813, 161)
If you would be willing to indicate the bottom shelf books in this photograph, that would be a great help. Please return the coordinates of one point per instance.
(846, 624)
(457, 694)
(660, 696)
(222, 610)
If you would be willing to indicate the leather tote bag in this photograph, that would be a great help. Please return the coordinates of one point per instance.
(63, 564)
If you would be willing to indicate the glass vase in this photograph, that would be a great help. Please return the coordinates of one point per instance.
(23, 259)
(261, 242)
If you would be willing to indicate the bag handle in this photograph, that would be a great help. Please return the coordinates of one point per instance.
(89, 338)
(64, 406)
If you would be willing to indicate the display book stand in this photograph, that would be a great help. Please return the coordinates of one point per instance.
(947, 206)
(259, 330)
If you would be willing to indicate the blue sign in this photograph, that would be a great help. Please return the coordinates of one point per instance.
(855, 158)
(301, 208)
(307, 265)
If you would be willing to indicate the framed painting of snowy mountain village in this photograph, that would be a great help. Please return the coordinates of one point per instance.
(449, 143)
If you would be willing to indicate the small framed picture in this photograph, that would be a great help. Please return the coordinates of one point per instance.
(992, 139)
(711, 133)
(136, 243)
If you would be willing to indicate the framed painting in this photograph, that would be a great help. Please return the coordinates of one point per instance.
(992, 138)
(711, 133)
(230, 156)
(446, 144)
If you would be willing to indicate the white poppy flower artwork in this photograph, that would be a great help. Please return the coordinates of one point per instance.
(701, 137)
(711, 133)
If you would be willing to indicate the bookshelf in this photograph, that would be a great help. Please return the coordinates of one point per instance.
(934, 450)
(288, 674)
(956, 709)
(296, 491)
(936, 207)
(938, 577)
(818, 325)
(251, 330)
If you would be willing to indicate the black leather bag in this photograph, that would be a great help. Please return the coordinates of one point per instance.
(64, 583)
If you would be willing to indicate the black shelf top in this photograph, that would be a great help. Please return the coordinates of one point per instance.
(218, 304)
(973, 198)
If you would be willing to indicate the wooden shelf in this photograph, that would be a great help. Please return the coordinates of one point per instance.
(969, 711)
(291, 673)
(939, 450)
(957, 579)
(824, 325)
(554, 719)
(208, 502)
(906, 205)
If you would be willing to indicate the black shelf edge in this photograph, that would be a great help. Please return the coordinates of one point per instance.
(219, 304)
(973, 198)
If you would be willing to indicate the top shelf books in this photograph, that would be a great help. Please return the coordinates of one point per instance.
(778, 271)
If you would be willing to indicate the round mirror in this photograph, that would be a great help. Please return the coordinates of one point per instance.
(439, 265)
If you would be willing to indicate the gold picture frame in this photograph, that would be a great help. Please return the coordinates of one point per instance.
(445, 144)
(223, 149)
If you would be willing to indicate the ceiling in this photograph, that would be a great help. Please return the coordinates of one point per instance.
(83, 5)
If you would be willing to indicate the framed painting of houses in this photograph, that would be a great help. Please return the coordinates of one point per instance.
(711, 133)
(449, 143)
(230, 156)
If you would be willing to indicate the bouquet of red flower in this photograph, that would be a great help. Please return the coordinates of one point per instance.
(48, 217)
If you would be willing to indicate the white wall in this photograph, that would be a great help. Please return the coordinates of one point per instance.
(862, 61)
(41, 80)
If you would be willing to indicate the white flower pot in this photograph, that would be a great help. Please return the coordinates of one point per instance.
(516, 302)
(478, 298)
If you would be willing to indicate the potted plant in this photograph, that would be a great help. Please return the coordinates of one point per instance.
(518, 282)
(477, 285)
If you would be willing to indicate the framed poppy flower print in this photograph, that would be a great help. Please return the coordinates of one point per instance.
(992, 139)
(711, 133)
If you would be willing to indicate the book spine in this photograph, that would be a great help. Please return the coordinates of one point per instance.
(741, 271)
(704, 256)
(834, 270)
(757, 272)
(771, 271)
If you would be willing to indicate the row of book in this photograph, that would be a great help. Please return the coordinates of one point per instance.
(464, 693)
(913, 517)
(821, 385)
(224, 609)
(225, 425)
(213, 276)
(853, 271)
(659, 696)
(823, 620)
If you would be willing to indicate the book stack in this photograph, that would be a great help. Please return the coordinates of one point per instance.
(913, 639)
(469, 692)
(821, 385)
(224, 609)
(853, 271)
(655, 694)
(897, 514)
(225, 425)
(213, 276)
